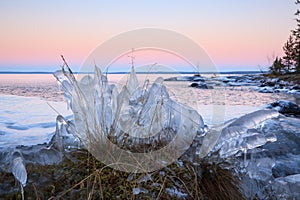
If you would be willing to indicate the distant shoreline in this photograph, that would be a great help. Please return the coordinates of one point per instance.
(180, 72)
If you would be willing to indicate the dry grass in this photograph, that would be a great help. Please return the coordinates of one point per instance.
(88, 178)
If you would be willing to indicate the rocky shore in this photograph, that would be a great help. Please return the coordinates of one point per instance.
(260, 82)
(269, 168)
(256, 156)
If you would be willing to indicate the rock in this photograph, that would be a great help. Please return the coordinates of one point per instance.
(294, 92)
(282, 90)
(274, 85)
(296, 87)
(269, 82)
(283, 83)
(285, 188)
(194, 85)
(285, 107)
(171, 79)
(287, 165)
(286, 150)
(273, 170)
(266, 90)
(201, 85)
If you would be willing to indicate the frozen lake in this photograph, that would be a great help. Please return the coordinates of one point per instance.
(26, 118)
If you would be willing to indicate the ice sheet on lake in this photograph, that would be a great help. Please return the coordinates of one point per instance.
(27, 120)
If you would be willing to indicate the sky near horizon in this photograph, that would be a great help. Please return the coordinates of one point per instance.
(236, 34)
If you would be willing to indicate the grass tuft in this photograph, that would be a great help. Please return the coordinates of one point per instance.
(83, 177)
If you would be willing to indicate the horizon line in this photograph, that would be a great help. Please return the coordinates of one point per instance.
(137, 72)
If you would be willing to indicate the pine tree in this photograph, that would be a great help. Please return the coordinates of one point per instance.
(288, 59)
(277, 66)
(296, 34)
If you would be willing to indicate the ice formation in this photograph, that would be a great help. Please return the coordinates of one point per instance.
(141, 119)
(18, 168)
(19, 171)
(144, 119)
(240, 144)
(241, 134)
(14, 160)
(63, 139)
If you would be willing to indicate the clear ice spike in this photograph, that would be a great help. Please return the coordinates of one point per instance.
(18, 168)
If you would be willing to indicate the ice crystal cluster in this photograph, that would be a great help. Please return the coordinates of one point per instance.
(138, 120)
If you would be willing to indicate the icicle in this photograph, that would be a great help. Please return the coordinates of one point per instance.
(19, 171)
(133, 83)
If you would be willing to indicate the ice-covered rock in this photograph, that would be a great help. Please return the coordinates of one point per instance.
(297, 92)
(285, 107)
(269, 83)
(245, 80)
(274, 161)
(266, 89)
(286, 164)
(244, 133)
(286, 150)
(260, 169)
(275, 85)
(283, 188)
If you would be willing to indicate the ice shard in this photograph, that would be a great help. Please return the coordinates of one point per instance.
(63, 139)
(18, 168)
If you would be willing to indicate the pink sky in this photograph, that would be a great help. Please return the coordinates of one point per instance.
(237, 35)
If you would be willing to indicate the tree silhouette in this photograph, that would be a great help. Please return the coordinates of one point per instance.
(288, 58)
(290, 62)
(296, 34)
(277, 66)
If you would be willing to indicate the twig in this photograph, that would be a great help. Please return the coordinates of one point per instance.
(35, 191)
